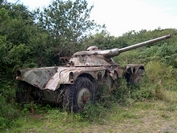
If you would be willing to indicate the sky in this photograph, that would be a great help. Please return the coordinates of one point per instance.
(121, 16)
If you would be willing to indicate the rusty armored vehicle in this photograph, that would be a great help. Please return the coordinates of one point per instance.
(73, 85)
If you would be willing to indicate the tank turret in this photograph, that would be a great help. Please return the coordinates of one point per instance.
(96, 57)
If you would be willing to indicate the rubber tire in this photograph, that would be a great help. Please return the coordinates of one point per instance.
(137, 78)
(70, 99)
(23, 93)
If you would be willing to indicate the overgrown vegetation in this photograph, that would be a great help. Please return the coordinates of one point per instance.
(39, 38)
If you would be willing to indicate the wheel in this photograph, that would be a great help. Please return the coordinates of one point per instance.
(23, 93)
(137, 77)
(78, 95)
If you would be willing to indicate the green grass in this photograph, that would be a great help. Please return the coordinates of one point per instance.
(153, 115)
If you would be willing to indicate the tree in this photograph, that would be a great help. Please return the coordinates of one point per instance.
(102, 40)
(16, 29)
(67, 22)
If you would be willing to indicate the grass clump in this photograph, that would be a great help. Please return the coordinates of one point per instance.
(158, 72)
(8, 111)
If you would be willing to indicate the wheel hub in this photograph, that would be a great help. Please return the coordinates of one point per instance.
(83, 97)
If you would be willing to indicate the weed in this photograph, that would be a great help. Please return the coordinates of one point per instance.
(171, 108)
(159, 91)
(158, 72)
(8, 110)
(165, 116)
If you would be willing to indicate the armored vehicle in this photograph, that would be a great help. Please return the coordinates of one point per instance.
(73, 85)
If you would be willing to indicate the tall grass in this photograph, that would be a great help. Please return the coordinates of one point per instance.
(8, 110)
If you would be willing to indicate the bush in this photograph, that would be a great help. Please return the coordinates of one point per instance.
(159, 72)
(8, 111)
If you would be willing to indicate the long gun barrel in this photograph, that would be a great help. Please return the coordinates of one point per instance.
(144, 43)
(116, 51)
